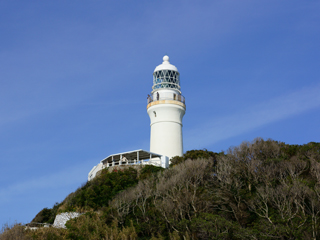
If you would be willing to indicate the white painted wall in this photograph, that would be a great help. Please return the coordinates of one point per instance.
(164, 161)
(166, 128)
(94, 170)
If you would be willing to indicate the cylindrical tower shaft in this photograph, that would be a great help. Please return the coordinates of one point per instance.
(166, 108)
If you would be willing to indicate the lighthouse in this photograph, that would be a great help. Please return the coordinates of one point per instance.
(166, 108)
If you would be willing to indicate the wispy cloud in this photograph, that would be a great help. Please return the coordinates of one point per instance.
(254, 116)
(66, 178)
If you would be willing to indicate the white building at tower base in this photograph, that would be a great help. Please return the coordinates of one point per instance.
(132, 158)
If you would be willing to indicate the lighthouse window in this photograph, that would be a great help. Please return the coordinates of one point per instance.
(166, 79)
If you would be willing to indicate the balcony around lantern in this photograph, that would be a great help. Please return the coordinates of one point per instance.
(166, 96)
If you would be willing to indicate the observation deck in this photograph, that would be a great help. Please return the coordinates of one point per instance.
(166, 97)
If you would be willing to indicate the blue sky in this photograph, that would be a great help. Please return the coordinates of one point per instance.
(75, 75)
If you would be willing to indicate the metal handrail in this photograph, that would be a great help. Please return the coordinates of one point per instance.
(175, 97)
(127, 162)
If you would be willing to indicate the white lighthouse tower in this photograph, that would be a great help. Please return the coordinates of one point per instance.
(166, 108)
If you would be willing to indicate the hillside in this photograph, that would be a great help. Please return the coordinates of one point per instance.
(258, 190)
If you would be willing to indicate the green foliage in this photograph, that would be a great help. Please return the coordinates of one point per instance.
(43, 216)
(176, 160)
(47, 215)
(194, 155)
(90, 226)
(211, 226)
(86, 227)
(46, 234)
(148, 170)
(97, 193)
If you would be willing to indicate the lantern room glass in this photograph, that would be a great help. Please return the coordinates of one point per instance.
(166, 79)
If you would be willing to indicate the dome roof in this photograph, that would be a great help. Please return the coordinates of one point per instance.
(166, 65)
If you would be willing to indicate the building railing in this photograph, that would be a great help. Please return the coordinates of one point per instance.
(166, 96)
(125, 161)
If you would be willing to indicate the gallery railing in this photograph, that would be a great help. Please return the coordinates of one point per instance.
(166, 96)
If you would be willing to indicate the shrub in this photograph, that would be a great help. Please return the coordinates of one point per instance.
(194, 155)
(148, 170)
(91, 226)
(10, 232)
(96, 193)
(47, 215)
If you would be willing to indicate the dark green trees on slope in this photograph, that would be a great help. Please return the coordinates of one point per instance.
(96, 194)
(259, 190)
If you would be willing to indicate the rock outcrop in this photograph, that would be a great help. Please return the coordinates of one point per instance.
(62, 218)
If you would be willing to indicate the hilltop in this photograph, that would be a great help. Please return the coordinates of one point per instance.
(263, 189)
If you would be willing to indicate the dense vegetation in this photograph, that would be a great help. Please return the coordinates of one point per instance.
(96, 194)
(259, 190)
